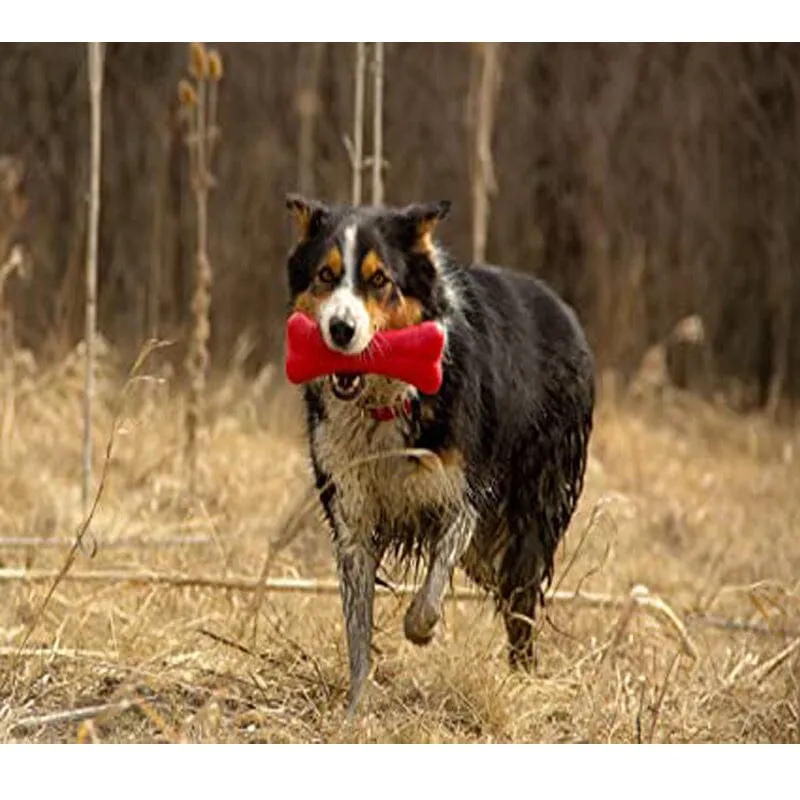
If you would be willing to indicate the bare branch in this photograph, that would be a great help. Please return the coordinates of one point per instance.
(639, 597)
(66, 653)
(95, 53)
(133, 542)
(357, 157)
(377, 124)
(71, 715)
(200, 100)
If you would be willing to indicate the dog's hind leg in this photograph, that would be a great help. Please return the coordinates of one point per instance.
(518, 615)
(519, 593)
(526, 561)
(357, 565)
(426, 607)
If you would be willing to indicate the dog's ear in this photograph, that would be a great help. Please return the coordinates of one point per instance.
(413, 226)
(424, 218)
(308, 214)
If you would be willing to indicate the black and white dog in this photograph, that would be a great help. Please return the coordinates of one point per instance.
(510, 425)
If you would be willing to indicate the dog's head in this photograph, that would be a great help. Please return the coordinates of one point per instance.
(359, 270)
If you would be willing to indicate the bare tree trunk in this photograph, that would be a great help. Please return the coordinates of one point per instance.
(95, 53)
(308, 108)
(781, 315)
(357, 152)
(483, 98)
(14, 263)
(779, 304)
(155, 280)
(200, 98)
(377, 125)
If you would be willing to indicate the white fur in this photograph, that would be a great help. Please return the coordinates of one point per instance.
(349, 255)
(386, 485)
(345, 304)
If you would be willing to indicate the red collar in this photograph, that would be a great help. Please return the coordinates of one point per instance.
(388, 413)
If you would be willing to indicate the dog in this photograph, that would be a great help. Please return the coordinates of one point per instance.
(508, 430)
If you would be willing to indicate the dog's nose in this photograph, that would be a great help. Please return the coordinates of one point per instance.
(342, 332)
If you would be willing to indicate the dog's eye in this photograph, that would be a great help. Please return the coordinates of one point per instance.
(326, 275)
(378, 280)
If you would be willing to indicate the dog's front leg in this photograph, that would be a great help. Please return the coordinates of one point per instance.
(357, 564)
(426, 607)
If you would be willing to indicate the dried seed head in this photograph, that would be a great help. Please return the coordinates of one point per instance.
(186, 93)
(215, 67)
(198, 60)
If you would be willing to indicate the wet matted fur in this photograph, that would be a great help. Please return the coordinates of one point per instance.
(510, 425)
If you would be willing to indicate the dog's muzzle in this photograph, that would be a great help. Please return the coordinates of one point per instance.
(347, 386)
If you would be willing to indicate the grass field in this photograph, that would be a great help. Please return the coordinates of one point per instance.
(700, 507)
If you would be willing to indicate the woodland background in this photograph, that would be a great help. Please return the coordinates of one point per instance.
(647, 182)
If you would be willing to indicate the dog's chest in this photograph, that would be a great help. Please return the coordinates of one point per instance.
(375, 482)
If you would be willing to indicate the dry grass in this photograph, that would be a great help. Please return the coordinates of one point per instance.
(699, 507)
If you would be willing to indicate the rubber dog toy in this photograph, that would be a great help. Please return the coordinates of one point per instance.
(412, 354)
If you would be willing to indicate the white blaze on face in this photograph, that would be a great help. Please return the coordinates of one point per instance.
(344, 305)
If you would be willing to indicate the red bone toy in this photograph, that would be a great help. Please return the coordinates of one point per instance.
(412, 355)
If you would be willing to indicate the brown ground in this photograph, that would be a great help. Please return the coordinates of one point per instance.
(700, 507)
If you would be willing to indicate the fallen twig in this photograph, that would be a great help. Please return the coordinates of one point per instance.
(178, 580)
(218, 637)
(16, 542)
(68, 653)
(71, 715)
(737, 625)
(640, 598)
(762, 671)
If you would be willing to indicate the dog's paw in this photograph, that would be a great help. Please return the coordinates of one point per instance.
(420, 621)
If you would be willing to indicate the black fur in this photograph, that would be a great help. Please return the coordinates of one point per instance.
(516, 406)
